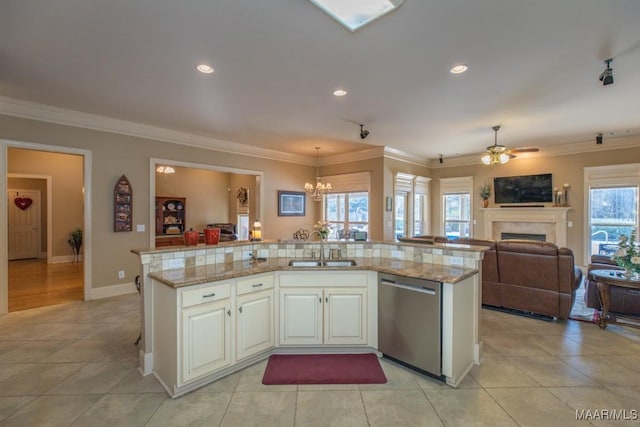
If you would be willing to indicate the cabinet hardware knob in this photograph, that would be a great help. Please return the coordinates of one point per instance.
(326, 299)
(320, 300)
(240, 309)
(209, 295)
(257, 285)
(229, 313)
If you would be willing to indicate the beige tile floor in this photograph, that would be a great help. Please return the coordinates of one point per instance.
(75, 364)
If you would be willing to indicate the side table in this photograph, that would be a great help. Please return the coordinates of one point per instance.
(604, 280)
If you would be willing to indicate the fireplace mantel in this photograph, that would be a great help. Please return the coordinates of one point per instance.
(552, 221)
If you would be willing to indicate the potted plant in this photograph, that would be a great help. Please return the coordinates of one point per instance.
(485, 193)
(75, 241)
(628, 255)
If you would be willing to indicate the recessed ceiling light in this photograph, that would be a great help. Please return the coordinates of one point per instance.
(458, 69)
(339, 92)
(205, 69)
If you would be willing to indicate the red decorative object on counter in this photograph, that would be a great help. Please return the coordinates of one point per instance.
(211, 236)
(191, 237)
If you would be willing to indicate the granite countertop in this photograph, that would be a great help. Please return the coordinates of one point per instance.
(209, 273)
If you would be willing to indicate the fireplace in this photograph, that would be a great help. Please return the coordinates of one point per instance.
(523, 236)
(550, 222)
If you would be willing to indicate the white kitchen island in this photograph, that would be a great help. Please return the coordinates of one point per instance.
(203, 322)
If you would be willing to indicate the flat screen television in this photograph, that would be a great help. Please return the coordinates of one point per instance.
(523, 189)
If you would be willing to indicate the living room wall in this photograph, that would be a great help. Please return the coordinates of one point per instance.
(117, 154)
(565, 169)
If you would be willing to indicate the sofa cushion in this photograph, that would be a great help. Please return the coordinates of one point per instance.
(225, 227)
(528, 263)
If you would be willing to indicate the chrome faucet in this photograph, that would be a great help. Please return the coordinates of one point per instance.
(321, 242)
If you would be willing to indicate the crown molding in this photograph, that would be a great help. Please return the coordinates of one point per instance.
(62, 116)
(619, 143)
(373, 153)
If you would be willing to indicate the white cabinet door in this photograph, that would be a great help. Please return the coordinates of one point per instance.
(255, 323)
(300, 316)
(206, 344)
(345, 316)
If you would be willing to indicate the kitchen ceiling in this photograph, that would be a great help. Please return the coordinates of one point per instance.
(533, 68)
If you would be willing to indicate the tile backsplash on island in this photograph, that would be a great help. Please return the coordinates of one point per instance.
(189, 256)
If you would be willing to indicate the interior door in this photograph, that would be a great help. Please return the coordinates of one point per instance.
(23, 224)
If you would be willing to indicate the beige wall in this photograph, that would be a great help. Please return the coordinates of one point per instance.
(565, 169)
(114, 155)
(66, 172)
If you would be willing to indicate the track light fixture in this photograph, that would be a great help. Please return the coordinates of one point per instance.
(599, 139)
(363, 133)
(606, 77)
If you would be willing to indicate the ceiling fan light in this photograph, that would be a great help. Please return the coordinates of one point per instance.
(486, 159)
(504, 158)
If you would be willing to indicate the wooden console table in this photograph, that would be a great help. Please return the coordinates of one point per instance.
(604, 280)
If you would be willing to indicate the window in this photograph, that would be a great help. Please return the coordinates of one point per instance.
(456, 207)
(614, 211)
(347, 213)
(612, 206)
(347, 208)
(401, 212)
(410, 213)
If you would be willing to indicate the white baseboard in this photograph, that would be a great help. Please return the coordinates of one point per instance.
(113, 290)
(62, 259)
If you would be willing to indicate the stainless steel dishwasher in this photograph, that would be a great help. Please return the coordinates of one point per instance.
(409, 322)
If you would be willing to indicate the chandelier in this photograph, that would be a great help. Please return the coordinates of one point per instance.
(496, 154)
(165, 169)
(321, 188)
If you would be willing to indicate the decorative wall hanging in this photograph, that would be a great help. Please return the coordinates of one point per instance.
(123, 205)
(23, 202)
(243, 200)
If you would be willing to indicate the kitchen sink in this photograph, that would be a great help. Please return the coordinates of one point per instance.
(319, 263)
(305, 263)
(339, 263)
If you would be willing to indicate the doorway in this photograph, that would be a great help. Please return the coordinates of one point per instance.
(43, 275)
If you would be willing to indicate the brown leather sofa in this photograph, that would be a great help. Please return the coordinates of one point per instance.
(526, 275)
(622, 300)
(228, 231)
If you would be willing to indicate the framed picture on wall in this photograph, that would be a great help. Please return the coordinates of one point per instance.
(291, 203)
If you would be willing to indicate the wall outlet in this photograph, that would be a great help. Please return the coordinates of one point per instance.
(121, 274)
(140, 228)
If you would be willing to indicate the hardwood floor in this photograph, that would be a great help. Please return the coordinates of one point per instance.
(34, 283)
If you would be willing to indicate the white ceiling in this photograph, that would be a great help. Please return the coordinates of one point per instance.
(533, 68)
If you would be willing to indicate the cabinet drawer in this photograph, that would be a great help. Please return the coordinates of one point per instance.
(206, 294)
(324, 279)
(255, 283)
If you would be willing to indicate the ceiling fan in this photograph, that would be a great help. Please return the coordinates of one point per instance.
(498, 154)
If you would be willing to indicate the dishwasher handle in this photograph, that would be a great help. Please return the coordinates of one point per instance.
(422, 289)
